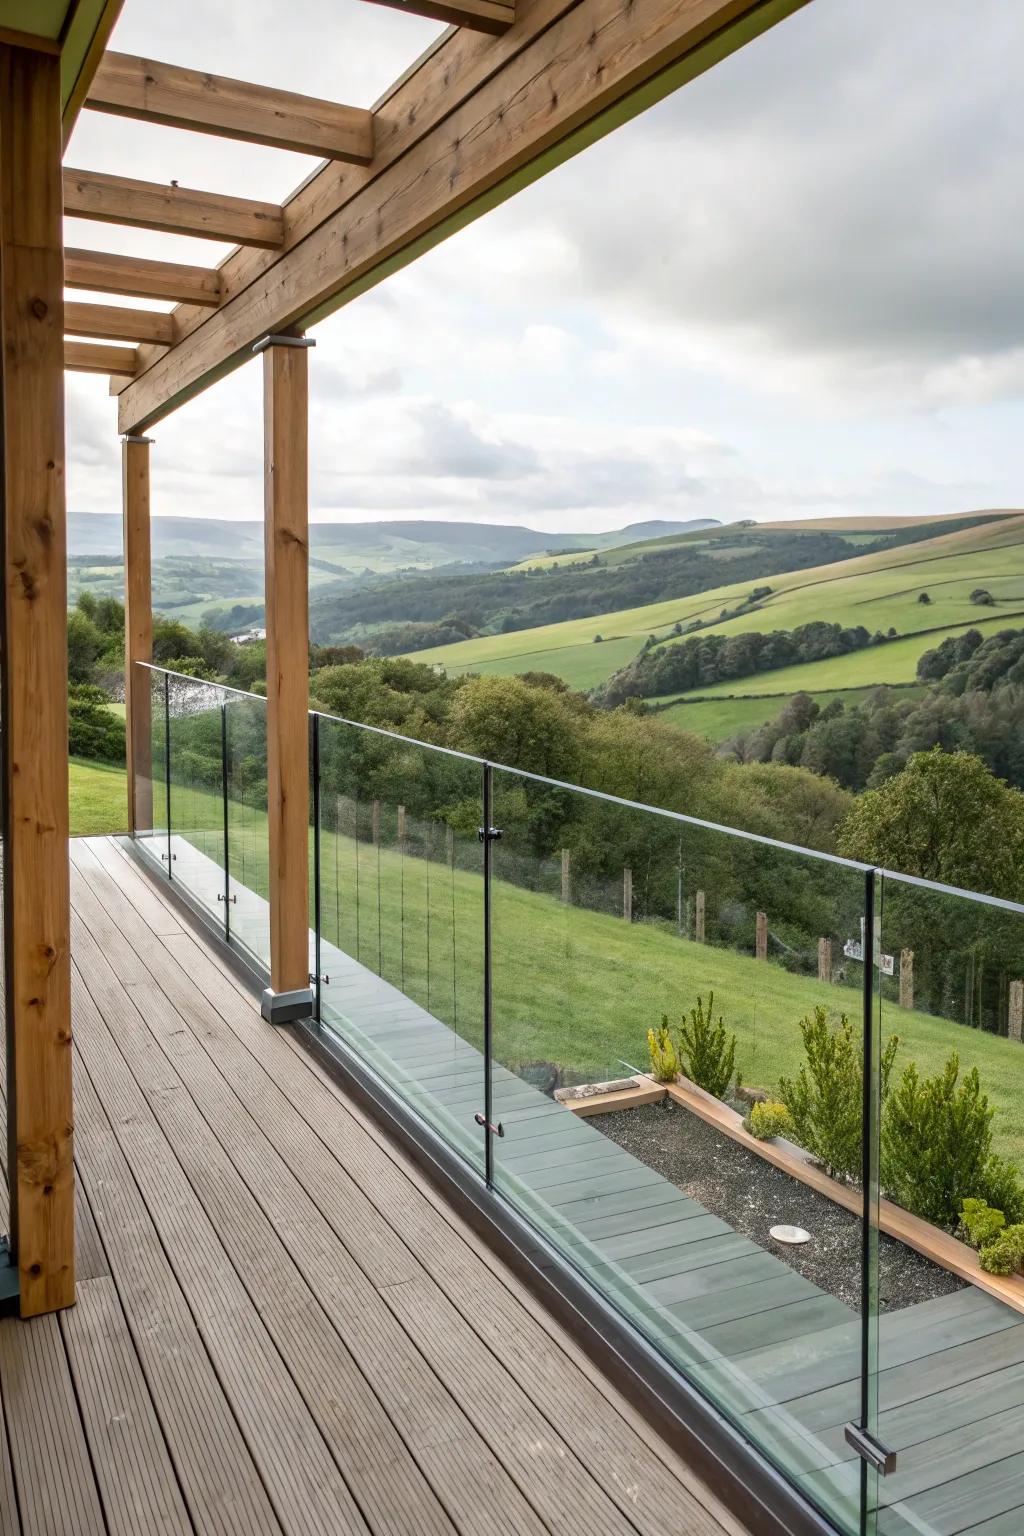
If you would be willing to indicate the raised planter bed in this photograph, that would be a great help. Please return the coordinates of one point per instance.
(938, 1247)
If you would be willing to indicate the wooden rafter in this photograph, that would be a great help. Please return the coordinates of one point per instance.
(477, 120)
(112, 322)
(176, 210)
(479, 15)
(98, 357)
(189, 98)
(103, 272)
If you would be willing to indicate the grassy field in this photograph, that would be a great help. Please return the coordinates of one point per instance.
(721, 716)
(880, 591)
(98, 798)
(575, 986)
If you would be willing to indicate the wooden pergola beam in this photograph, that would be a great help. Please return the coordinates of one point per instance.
(173, 209)
(493, 16)
(33, 617)
(190, 98)
(98, 357)
(138, 278)
(113, 322)
(480, 118)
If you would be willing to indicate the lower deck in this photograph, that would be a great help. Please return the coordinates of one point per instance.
(281, 1326)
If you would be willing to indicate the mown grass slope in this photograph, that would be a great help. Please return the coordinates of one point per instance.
(880, 591)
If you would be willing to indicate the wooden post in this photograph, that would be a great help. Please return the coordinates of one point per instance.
(761, 937)
(375, 822)
(698, 918)
(401, 824)
(906, 978)
(449, 844)
(1015, 1026)
(566, 866)
(824, 959)
(286, 532)
(37, 969)
(627, 895)
(138, 632)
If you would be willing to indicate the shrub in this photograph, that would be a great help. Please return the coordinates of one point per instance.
(937, 1147)
(826, 1098)
(980, 1222)
(1006, 1253)
(707, 1053)
(664, 1059)
(769, 1119)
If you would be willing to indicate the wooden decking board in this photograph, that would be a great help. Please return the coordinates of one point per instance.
(57, 1493)
(133, 1468)
(10, 1520)
(724, 1306)
(218, 1477)
(298, 1471)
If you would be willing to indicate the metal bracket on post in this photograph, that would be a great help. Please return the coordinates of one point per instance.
(489, 834)
(275, 340)
(287, 1007)
(493, 1130)
(130, 437)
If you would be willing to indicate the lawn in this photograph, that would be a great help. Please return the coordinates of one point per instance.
(721, 716)
(570, 985)
(98, 797)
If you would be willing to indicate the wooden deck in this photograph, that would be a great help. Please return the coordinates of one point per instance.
(281, 1327)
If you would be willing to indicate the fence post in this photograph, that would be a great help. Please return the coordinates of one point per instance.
(761, 940)
(824, 959)
(401, 824)
(627, 895)
(906, 978)
(1016, 1019)
(566, 857)
(698, 919)
(449, 843)
(375, 823)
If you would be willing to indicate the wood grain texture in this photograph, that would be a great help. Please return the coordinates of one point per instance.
(286, 546)
(173, 209)
(138, 632)
(140, 278)
(493, 16)
(35, 681)
(189, 98)
(98, 357)
(464, 126)
(114, 322)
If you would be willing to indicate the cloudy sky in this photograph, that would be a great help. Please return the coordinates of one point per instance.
(793, 289)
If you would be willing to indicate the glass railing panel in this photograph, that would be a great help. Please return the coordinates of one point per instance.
(401, 910)
(609, 919)
(947, 1393)
(196, 778)
(151, 806)
(248, 848)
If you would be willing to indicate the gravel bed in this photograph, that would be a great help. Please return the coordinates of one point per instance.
(753, 1196)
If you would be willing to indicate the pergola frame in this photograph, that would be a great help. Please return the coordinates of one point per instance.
(514, 88)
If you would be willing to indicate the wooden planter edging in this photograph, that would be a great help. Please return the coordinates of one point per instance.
(938, 1246)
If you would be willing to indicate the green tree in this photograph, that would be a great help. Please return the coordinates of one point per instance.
(944, 817)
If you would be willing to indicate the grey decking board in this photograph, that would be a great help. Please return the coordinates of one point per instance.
(133, 1468)
(57, 1494)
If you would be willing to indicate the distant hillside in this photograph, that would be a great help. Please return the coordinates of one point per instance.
(947, 558)
(380, 546)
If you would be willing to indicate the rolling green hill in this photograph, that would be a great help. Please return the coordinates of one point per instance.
(880, 590)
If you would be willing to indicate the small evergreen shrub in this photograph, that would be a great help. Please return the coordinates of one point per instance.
(1006, 1253)
(706, 1051)
(980, 1223)
(769, 1119)
(664, 1058)
(937, 1147)
(826, 1098)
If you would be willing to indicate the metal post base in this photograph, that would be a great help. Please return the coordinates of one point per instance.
(286, 1007)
